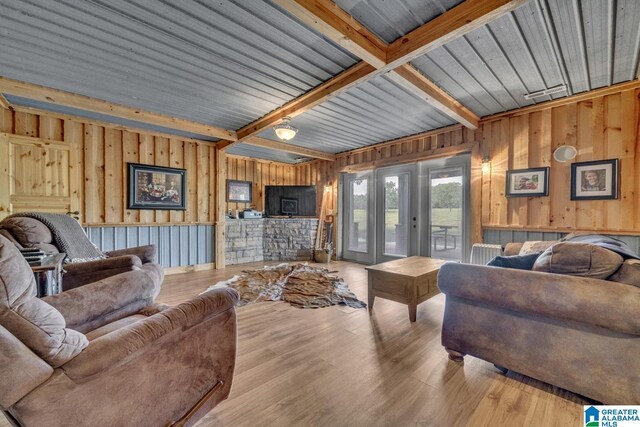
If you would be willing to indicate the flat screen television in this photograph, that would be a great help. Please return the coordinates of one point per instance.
(290, 200)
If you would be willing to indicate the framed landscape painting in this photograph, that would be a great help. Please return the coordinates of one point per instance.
(156, 187)
(239, 191)
(596, 180)
(532, 182)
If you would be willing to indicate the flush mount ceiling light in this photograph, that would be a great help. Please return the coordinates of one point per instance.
(545, 92)
(284, 130)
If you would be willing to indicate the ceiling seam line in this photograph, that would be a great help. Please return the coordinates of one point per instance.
(543, 9)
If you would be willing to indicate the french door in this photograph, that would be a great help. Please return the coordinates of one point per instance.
(358, 218)
(401, 211)
(396, 216)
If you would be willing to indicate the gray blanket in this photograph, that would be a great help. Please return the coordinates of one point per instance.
(68, 236)
(607, 242)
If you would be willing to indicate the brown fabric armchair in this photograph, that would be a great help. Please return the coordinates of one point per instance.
(105, 354)
(579, 333)
(27, 232)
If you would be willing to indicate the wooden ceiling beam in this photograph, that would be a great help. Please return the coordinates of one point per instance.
(333, 22)
(4, 103)
(332, 87)
(456, 22)
(58, 97)
(413, 79)
(336, 24)
(289, 148)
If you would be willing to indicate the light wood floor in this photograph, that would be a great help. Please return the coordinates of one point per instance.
(339, 366)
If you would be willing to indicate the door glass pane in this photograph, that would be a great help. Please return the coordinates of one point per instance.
(446, 214)
(358, 215)
(396, 214)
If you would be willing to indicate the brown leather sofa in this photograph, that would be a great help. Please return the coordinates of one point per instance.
(105, 354)
(581, 334)
(27, 232)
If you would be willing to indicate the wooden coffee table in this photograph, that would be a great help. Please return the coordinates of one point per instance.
(409, 280)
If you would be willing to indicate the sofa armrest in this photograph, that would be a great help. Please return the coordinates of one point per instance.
(97, 300)
(596, 302)
(125, 344)
(145, 253)
(81, 273)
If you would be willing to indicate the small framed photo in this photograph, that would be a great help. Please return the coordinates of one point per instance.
(532, 182)
(239, 191)
(288, 206)
(596, 180)
(156, 187)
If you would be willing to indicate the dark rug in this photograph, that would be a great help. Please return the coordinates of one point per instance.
(301, 285)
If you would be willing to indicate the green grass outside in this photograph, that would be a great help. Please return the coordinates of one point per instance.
(438, 217)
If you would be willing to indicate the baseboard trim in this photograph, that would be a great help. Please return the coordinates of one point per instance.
(187, 268)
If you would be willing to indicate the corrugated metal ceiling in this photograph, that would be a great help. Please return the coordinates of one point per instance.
(390, 20)
(371, 112)
(585, 44)
(230, 62)
(225, 63)
(256, 152)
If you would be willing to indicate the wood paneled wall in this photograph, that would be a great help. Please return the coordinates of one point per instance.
(60, 165)
(602, 126)
(427, 145)
(261, 173)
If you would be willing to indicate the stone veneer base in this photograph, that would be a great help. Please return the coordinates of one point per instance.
(269, 239)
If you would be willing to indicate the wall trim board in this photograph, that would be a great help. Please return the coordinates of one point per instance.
(403, 139)
(584, 96)
(411, 158)
(189, 268)
(621, 232)
(82, 120)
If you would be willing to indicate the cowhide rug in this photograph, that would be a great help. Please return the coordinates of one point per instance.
(300, 285)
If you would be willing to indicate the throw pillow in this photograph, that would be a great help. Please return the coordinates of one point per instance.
(535, 246)
(520, 262)
(629, 273)
(578, 259)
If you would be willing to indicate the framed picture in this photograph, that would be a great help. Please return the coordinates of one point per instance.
(532, 182)
(288, 206)
(239, 191)
(596, 180)
(157, 187)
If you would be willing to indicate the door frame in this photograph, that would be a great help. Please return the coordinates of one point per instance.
(367, 257)
(412, 242)
(462, 161)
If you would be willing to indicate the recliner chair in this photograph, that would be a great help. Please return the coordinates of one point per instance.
(27, 232)
(105, 354)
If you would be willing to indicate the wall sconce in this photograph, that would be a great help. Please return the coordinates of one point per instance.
(486, 164)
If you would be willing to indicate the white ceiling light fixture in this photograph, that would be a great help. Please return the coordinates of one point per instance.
(285, 130)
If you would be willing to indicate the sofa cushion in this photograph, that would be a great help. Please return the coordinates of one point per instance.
(520, 262)
(535, 246)
(578, 259)
(27, 231)
(629, 273)
(34, 322)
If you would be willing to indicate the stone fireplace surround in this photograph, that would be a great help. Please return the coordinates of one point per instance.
(269, 239)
